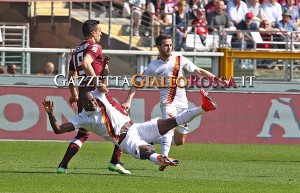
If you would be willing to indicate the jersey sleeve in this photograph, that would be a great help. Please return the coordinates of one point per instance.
(78, 122)
(187, 64)
(94, 50)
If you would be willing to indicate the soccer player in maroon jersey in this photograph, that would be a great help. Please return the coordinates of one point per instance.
(87, 60)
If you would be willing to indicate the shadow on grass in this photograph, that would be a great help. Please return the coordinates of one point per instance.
(91, 168)
(70, 173)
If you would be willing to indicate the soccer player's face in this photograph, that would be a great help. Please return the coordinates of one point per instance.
(97, 33)
(90, 104)
(166, 48)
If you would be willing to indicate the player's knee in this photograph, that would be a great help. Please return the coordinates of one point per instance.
(83, 131)
(179, 142)
(83, 134)
(179, 138)
(145, 151)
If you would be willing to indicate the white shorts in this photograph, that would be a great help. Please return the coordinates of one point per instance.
(170, 110)
(140, 134)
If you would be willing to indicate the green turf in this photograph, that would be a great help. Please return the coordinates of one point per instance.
(30, 167)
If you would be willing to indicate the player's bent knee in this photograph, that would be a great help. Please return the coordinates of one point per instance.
(145, 151)
(179, 142)
(179, 138)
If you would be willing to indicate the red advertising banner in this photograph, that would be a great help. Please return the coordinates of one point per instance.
(246, 118)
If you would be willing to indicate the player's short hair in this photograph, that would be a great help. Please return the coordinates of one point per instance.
(160, 38)
(83, 96)
(89, 26)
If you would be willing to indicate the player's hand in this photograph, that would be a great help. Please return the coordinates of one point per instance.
(73, 101)
(126, 106)
(103, 88)
(106, 61)
(48, 106)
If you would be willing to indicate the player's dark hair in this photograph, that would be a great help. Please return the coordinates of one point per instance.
(89, 26)
(160, 38)
(83, 96)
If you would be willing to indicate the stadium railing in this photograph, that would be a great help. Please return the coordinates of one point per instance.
(142, 57)
(15, 35)
(212, 61)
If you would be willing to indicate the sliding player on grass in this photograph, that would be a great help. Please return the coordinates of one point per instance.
(100, 117)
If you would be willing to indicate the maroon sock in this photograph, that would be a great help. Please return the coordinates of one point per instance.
(73, 149)
(115, 158)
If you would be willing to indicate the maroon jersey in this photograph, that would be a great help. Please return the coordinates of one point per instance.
(95, 51)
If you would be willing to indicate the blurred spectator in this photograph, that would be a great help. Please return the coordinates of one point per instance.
(126, 10)
(286, 26)
(202, 3)
(182, 21)
(138, 7)
(192, 8)
(236, 10)
(200, 24)
(218, 18)
(267, 33)
(255, 8)
(210, 7)
(244, 41)
(169, 15)
(157, 9)
(282, 2)
(12, 69)
(49, 69)
(290, 5)
(170, 5)
(286, 23)
(2, 70)
(272, 11)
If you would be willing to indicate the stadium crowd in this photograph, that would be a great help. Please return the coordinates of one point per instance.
(208, 17)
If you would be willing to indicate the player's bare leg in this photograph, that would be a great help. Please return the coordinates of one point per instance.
(72, 149)
(115, 165)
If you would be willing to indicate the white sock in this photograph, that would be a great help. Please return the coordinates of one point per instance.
(153, 158)
(76, 141)
(166, 141)
(188, 115)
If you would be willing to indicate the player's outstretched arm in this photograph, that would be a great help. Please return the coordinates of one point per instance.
(203, 72)
(58, 129)
(206, 73)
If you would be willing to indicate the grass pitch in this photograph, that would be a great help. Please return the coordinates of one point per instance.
(30, 167)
